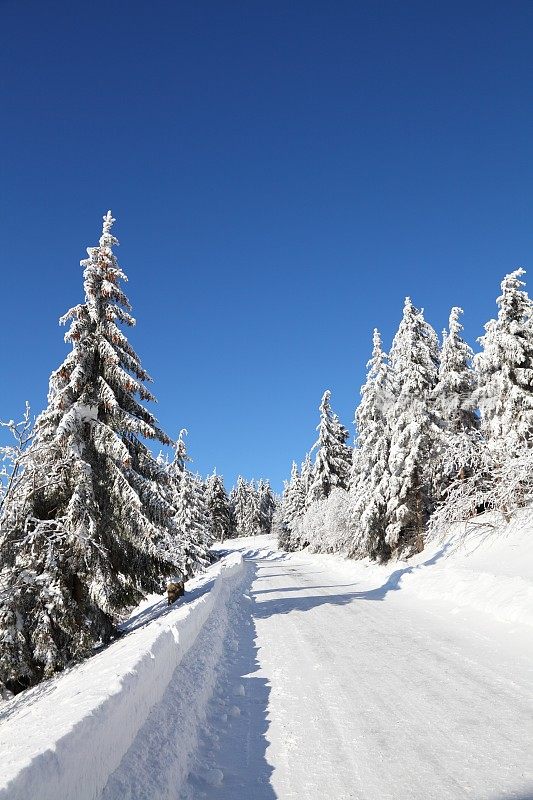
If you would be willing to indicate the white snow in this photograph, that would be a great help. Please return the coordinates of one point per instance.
(67, 736)
(377, 682)
(302, 677)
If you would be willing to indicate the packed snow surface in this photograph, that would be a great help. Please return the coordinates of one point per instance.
(64, 739)
(305, 677)
(372, 682)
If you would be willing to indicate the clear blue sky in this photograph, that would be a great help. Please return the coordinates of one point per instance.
(282, 175)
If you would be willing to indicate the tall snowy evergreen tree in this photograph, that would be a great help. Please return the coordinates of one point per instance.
(88, 530)
(240, 507)
(306, 475)
(246, 508)
(267, 506)
(370, 474)
(414, 361)
(253, 511)
(218, 504)
(504, 371)
(457, 445)
(204, 520)
(181, 456)
(191, 520)
(291, 508)
(334, 457)
(294, 499)
(232, 512)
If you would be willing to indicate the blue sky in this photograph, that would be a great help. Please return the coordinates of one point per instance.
(282, 175)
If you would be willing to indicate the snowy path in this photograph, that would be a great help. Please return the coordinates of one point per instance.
(327, 690)
(317, 680)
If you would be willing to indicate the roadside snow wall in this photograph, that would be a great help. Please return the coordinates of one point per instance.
(63, 739)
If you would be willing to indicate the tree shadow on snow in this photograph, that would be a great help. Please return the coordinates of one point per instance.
(234, 740)
(306, 602)
(214, 694)
(392, 583)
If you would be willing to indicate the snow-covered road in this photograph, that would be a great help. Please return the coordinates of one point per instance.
(330, 689)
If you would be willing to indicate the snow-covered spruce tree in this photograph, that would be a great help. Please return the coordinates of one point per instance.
(232, 514)
(504, 370)
(370, 471)
(458, 439)
(306, 475)
(267, 506)
(245, 506)
(334, 457)
(292, 508)
(240, 506)
(203, 518)
(502, 474)
(218, 504)
(191, 523)
(88, 530)
(294, 500)
(414, 359)
(253, 511)
(181, 456)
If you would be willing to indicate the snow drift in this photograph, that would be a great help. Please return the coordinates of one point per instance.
(485, 564)
(65, 737)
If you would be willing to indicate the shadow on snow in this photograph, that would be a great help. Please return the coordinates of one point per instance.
(233, 739)
(306, 602)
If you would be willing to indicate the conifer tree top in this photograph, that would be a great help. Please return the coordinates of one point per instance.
(103, 374)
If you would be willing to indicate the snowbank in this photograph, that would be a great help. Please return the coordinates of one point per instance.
(64, 738)
(485, 565)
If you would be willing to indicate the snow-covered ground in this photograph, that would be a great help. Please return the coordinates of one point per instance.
(64, 739)
(302, 676)
(363, 682)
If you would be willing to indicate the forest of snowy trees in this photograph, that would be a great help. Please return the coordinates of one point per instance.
(441, 436)
(90, 519)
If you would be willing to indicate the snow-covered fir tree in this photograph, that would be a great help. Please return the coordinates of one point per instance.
(232, 515)
(239, 502)
(334, 458)
(504, 370)
(204, 520)
(306, 475)
(181, 456)
(191, 519)
(253, 511)
(267, 505)
(499, 461)
(370, 471)
(88, 531)
(244, 501)
(294, 498)
(414, 359)
(291, 508)
(219, 507)
(458, 441)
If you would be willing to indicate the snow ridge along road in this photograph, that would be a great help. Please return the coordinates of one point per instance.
(63, 739)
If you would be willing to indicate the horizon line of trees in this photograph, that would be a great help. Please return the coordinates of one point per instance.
(441, 436)
(90, 520)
